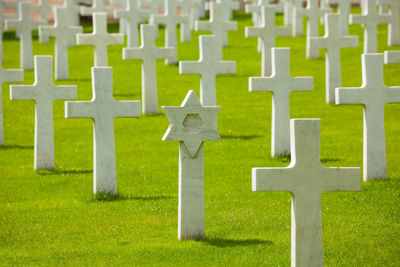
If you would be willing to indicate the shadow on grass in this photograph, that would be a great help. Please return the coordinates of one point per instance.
(326, 160)
(7, 147)
(154, 115)
(222, 243)
(108, 197)
(126, 95)
(240, 137)
(62, 172)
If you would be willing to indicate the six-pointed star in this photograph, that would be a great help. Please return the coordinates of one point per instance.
(191, 123)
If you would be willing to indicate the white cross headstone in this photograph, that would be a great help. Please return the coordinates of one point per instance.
(230, 5)
(289, 7)
(73, 10)
(370, 20)
(267, 32)
(100, 39)
(170, 19)
(217, 24)
(98, 6)
(25, 25)
(189, 8)
(7, 75)
(373, 95)
(209, 66)
(191, 124)
(153, 6)
(306, 179)
(103, 109)
(149, 54)
(392, 57)
(344, 10)
(44, 93)
(64, 34)
(313, 13)
(393, 27)
(281, 84)
(122, 6)
(132, 15)
(44, 8)
(333, 41)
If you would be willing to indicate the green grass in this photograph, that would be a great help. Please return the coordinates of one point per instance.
(52, 217)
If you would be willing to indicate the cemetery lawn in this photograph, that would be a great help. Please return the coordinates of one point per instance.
(52, 218)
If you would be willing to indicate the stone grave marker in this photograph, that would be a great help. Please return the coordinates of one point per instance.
(230, 5)
(209, 66)
(289, 7)
(64, 34)
(170, 19)
(267, 32)
(344, 10)
(190, 8)
(373, 95)
(306, 179)
(7, 75)
(44, 8)
(103, 109)
(25, 25)
(393, 27)
(313, 13)
(392, 57)
(149, 54)
(191, 124)
(217, 24)
(333, 41)
(73, 11)
(100, 39)
(281, 84)
(370, 20)
(97, 6)
(44, 93)
(133, 16)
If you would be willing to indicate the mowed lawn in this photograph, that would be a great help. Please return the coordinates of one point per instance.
(51, 217)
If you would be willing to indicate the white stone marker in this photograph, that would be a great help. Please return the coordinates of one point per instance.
(373, 95)
(333, 41)
(103, 109)
(189, 8)
(370, 20)
(64, 34)
(149, 54)
(7, 75)
(306, 179)
(191, 124)
(100, 39)
(209, 66)
(230, 5)
(24, 24)
(217, 24)
(97, 7)
(267, 32)
(393, 27)
(344, 10)
(44, 93)
(289, 16)
(170, 19)
(392, 57)
(73, 10)
(44, 9)
(313, 13)
(281, 84)
(132, 15)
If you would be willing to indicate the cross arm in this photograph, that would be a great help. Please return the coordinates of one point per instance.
(349, 41)
(157, 19)
(302, 84)
(23, 92)
(226, 67)
(165, 52)
(115, 38)
(273, 179)
(202, 26)
(13, 75)
(342, 179)
(189, 67)
(231, 26)
(127, 109)
(392, 94)
(349, 95)
(12, 24)
(79, 109)
(259, 84)
(84, 39)
(45, 31)
(132, 53)
(317, 42)
(253, 32)
(357, 18)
